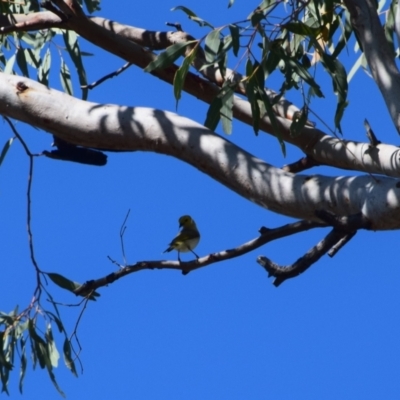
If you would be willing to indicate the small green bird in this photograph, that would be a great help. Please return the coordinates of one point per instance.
(187, 238)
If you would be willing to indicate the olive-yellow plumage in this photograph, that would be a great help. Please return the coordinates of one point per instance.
(187, 238)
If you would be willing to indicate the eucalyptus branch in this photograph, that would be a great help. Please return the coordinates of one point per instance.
(30, 22)
(380, 57)
(282, 273)
(145, 129)
(344, 230)
(322, 148)
(267, 235)
(155, 40)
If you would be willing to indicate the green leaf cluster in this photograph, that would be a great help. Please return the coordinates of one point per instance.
(32, 329)
(314, 33)
(21, 332)
(27, 53)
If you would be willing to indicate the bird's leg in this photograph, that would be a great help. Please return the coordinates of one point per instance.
(194, 253)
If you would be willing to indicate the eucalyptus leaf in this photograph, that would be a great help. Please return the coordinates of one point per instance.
(192, 16)
(212, 45)
(213, 114)
(169, 56)
(226, 113)
(8, 69)
(32, 58)
(21, 62)
(251, 96)
(44, 68)
(347, 31)
(38, 345)
(5, 149)
(180, 74)
(72, 45)
(24, 363)
(234, 30)
(69, 362)
(65, 77)
(67, 284)
(301, 28)
(54, 355)
(92, 5)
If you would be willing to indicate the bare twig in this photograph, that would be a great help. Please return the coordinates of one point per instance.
(75, 334)
(344, 230)
(121, 235)
(346, 238)
(116, 262)
(108, 76)
(176, 25)
(282, 273)
(29, 208)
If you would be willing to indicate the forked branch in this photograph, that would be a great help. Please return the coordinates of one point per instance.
(266, 236)
(121, 40)
(344, 230)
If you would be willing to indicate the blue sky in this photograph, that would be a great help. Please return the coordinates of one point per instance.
(222, 332)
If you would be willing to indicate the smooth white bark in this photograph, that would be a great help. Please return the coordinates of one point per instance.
(325, 149)
(380, 58)
(112, 37)
(116, 127)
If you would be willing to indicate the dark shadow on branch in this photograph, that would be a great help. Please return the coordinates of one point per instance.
(69, 152)
(301, 165)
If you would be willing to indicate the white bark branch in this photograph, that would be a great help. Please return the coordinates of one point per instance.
(323, 148)
(156, 40)
(115, 127)
(380, 58)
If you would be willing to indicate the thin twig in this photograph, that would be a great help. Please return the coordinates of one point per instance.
(29, 207)
(341, 243)
(176, 25)
(121, 235)
(75, 334)
(116, 262)
(108, 76)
